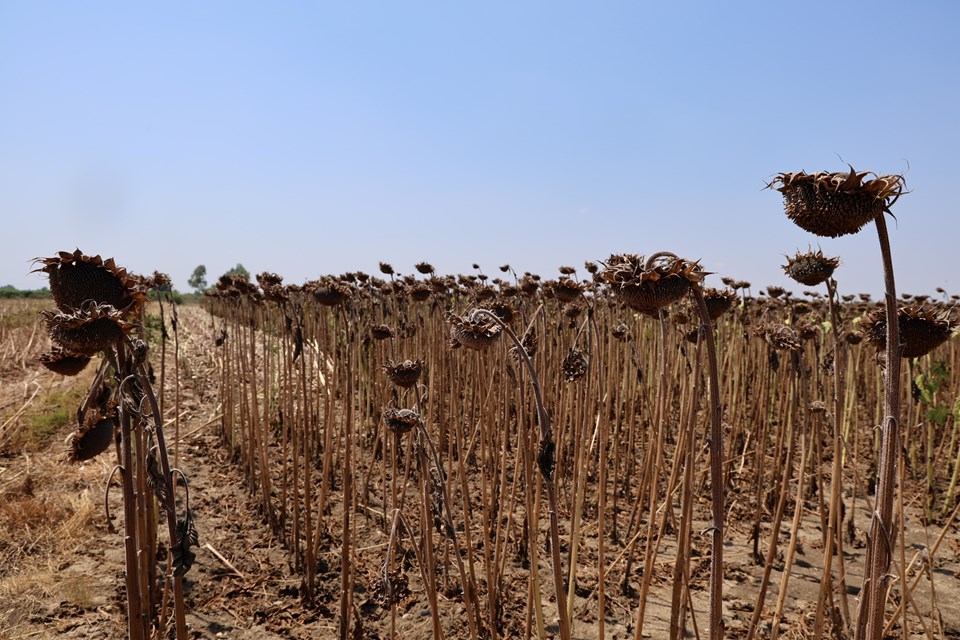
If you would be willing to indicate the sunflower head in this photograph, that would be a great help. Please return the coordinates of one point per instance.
(404, 374)
(836, 204)
(77, 280)
(401, 421)
(63, 362)
(781, 337)
(475, 330)
(94, 435)
(88, 330)
(424, 267)
(810, 268)
(574, 366)
(648, 286)
(921, 330)
(381, 332)
(719, 301)
(329, 291)
(566, 289)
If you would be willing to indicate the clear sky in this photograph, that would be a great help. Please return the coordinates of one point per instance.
(322, 137)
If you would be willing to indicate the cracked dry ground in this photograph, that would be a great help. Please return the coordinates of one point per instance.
(61, 571)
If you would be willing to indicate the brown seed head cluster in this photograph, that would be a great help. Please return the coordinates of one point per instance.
(404, 374)
(400, 421)
(810, 268)
(921, 330)
(836, 204)
(474, 331)
(719, 301)
(781, 337)
(647, 286)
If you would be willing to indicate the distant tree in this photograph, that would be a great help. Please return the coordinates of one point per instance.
(239, 270)
(198, 281)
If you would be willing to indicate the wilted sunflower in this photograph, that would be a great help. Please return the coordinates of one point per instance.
(404, 374)
(719, 301)
(401, 421)
(87, 331)
(574, 366)
(381, 332)
(95, 435)
(329, 291)
(836, 204)
(921, 330)
(810, 268)
(779, 336)
(648, 286)
(63, 362)
(566, 289)
(419, 292)
(78, 280)
(475, 331)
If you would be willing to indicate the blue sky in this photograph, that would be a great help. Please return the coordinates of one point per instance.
(311, 138)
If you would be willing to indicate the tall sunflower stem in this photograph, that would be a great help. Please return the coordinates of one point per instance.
(716, 471)
(882, 539)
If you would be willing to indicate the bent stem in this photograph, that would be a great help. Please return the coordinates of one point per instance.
(881, 540)
(545, 461)
(716, 471)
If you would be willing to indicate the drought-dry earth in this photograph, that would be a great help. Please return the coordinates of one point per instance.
(61, 571)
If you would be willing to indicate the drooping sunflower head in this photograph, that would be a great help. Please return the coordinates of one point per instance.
(404, 374)
(566, 289)
(424, 267)
(836, 204)
(63, 362)
(329, 291)
(781, 337)
(87, 331)
(475, 330)
(648, 286)
(921, 330)
(400, 421)
(94, 436)
(574, 365)
(810, 268)
(719, 301)
(381, 331)
(77, 280)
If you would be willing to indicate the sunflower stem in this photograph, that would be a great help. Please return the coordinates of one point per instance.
(881, 540)
(716, 471)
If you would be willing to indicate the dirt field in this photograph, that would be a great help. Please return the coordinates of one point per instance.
(61, 571)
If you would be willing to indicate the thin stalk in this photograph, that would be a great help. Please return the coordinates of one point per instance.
(882, 538)
(716, 472)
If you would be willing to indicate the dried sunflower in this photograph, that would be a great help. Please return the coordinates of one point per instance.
(404, 374)
(566, 289)
(87, 331)
(401, 421)
(329, 291)
(921, 330)
(63, 362)
(381, 332)
(648, 286)
(78, 280)
(574, 365)
(810, 268)
(836, 204)
(779, 336)
(474, 331)
(719, 301)
(419, 292)
(94, 436)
